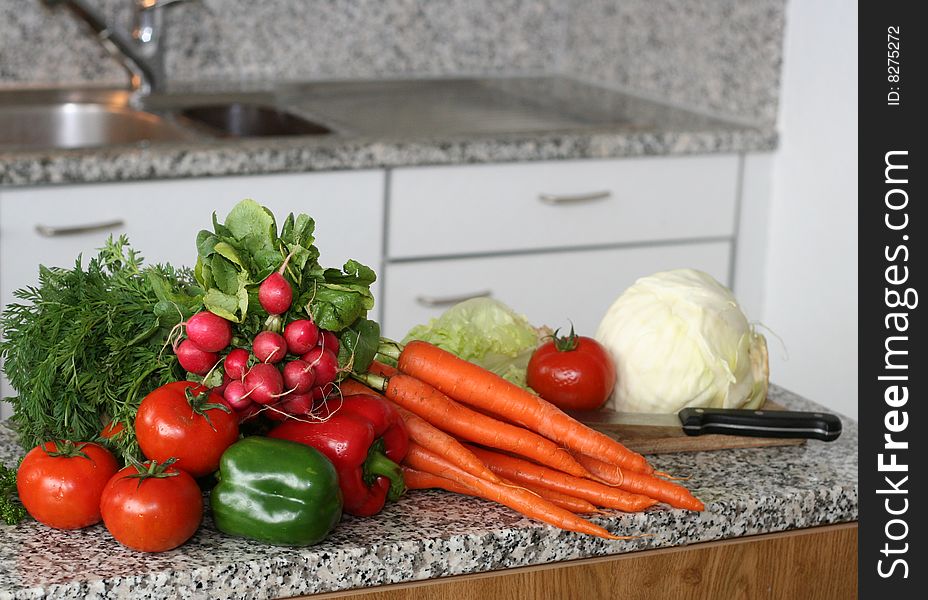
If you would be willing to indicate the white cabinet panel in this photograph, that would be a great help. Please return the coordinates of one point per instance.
(474, 209)
(162, 218)
(549, 288)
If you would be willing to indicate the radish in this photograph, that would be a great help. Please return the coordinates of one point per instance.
(301, 335)
(264, 383)
(237, 396)
(297, 404)
(249, 412)
(329, 341)
(275, 294)
(236, 363)
(221, 388)
(276, 413)
(298, 376)
(211, 333)
(193, 359)
(324, 364)
(318, 393)
(269, 347)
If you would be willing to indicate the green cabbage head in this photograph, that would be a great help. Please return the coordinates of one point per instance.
(678, 339)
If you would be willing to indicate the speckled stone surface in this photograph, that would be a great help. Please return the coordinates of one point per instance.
(411, 124)
(216, 40)
(723, 56)
(436, 534)
(274, 40)
(44, 46)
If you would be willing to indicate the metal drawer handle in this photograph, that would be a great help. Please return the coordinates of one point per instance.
(51, 231)
(556, 199)
(436, 301)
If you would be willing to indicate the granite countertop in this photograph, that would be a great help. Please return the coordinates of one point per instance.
(407, 123)
(430, 534)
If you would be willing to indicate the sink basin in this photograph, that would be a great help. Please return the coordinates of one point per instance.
(78, 125)
(240, 120)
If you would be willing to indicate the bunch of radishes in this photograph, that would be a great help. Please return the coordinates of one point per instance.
(287, 373)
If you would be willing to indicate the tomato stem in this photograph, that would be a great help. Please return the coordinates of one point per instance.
(565, 343)
(152, 469)
(66, 449)
(198, 402)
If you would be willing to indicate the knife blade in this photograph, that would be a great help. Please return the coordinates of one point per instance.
(761, 423)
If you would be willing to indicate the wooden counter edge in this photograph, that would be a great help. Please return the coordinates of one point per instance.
(818, 563)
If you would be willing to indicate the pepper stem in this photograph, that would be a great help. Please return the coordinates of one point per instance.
(378, 465)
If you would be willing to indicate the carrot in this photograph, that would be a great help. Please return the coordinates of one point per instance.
(522, 471)
(473, 385)
(673, 494)
(350, 387)
(424, 433)
(420, 480)
(431, 438)
(516, 498)
(450, 416)
(571, 503)
(383, 370)
(608, 472)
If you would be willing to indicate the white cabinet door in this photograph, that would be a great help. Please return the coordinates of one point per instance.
(162, 219)
(482, 209)
(549, 288)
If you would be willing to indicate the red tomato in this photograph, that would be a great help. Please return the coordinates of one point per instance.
(112, 429)
(60, 483)
(572, 372)
(154, 512)
(172, 422)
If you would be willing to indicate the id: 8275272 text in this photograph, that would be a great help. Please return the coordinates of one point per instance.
(893, 60)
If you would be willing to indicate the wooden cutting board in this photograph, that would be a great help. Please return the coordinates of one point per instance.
(651, 439)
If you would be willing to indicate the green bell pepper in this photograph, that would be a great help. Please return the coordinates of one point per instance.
(276, 491)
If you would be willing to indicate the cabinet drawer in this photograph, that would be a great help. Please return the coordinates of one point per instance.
(442, 211)
(548, 287)
(162, 218)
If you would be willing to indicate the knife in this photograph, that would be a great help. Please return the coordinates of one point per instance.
(726, 421)
(761, 423)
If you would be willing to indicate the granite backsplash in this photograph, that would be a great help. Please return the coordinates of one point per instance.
(722, 56)
(719, 56)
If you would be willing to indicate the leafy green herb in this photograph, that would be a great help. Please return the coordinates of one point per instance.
(358, 344)
(337, 299)
(11, 509)
(86, 345)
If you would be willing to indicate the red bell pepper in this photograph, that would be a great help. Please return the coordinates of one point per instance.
(365, 438)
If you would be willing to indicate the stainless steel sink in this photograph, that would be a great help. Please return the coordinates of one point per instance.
(49, 119)
(55, 119)
(78, 125)
(241, 120)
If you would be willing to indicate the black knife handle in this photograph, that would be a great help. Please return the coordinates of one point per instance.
(761, 423)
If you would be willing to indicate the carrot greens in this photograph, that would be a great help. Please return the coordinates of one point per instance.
(11, 509)
(86, 344)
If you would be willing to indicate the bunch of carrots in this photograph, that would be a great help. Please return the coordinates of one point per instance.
(474, 433)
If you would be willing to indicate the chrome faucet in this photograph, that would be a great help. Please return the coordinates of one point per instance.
(139, 54)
